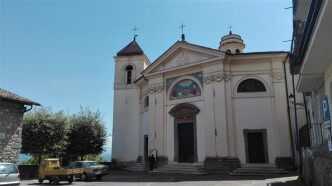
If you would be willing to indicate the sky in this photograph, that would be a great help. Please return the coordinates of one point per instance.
(59, 53)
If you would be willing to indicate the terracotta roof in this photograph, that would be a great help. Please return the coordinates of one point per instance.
(131, 49)
(262, 52)
(9, 96)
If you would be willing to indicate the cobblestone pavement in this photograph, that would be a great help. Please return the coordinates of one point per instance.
(125, 178)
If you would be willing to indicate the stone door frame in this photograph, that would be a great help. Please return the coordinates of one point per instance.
(184, 113)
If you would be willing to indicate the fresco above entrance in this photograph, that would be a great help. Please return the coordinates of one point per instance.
(185, 89)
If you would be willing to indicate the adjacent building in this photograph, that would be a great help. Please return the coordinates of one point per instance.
(312, 59)
(12, 108)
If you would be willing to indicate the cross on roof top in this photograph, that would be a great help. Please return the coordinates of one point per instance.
(230, 29)
(182, 36)
(182, 26)
(135, 32)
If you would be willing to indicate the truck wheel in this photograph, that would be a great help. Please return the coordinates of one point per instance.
(71, 179)
(98, 177)
(40, 180)
(56, 180)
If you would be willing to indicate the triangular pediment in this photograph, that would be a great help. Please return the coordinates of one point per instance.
(181, 55)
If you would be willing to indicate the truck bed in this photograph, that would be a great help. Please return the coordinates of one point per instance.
(64, 172)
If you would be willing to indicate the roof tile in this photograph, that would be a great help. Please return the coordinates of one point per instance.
(9, 96)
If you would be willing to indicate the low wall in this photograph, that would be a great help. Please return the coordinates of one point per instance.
(317, 166)
(28, 171)
(221, 165)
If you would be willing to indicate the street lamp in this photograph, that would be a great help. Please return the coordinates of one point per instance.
(292, 100)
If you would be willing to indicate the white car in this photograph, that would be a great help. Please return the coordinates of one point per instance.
(91, 169)
(9, 174)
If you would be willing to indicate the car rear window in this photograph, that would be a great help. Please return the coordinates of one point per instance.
(8, 169)
(92, 163)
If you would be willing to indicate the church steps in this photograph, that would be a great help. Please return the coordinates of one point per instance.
(261, 170)
(136, 167)
(181, 168)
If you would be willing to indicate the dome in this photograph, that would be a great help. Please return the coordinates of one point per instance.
(232, 43)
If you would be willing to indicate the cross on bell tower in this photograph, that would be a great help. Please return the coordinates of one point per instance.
(134, 29)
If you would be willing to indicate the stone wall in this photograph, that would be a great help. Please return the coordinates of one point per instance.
(221, 165)
(317, 166)
(11, 116)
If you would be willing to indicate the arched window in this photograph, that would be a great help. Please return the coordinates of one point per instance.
(237, 51)
(228, 51)
(129, 71)
(251, 85)
(146, 102)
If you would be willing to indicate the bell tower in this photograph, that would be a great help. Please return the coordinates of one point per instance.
(129, 63)
(232, 44)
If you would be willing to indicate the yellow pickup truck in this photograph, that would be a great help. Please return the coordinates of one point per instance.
(50, 170)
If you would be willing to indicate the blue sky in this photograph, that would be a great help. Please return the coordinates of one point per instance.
(60, 52)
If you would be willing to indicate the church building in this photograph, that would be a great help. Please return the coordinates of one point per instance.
(221, 108)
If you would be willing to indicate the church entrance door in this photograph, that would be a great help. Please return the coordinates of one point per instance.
(185, 132)
(186, 142)
(256, 146)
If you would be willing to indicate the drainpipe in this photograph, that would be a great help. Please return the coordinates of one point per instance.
(288, 108)
(26, 110)
(298, 148)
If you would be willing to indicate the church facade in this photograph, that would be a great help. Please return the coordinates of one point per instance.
(196, 104)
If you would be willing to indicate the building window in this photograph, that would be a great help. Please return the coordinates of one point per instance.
(129, 71)
(228, 51)
(251, 85)
(146, 102)
(237, 51)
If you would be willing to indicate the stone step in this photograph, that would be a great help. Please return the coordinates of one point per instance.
(136, 167)
(184, 168)
(263, 165)
(181, 168)
(257, 171)
(260, 169)
(178, 172)
(252, 174)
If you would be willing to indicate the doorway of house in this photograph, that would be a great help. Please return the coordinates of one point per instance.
(255, 147)
(186, 142)
(146, 152)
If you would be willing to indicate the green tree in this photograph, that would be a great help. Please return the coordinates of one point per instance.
(44, 133)
(97, 158)
(87, 135)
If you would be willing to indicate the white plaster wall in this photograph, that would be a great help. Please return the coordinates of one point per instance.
(125, 142)
(209, 118)
(146, 122)
(267, 110)
(200, 124)
(254, 113)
